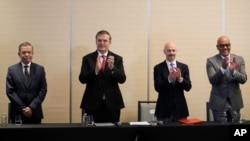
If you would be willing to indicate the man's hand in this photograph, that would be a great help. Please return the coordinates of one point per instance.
(110, 61)
(27, 111)
(178, 74)
(233, 65)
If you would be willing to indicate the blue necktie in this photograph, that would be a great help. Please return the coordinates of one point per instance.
(227, 72)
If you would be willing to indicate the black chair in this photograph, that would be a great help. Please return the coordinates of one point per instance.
(209, 113)
(146, 110)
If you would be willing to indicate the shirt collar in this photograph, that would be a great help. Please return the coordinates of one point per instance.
(173, 62)
(25, 64)
(100, 54)
(224, 57)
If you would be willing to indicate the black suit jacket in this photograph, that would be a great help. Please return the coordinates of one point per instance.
(171, 95)
(22, 94)
(105, 83)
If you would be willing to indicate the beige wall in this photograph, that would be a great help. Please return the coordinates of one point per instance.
(62, 31)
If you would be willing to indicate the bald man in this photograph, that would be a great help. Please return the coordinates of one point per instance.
(171, 79)
(225, 72)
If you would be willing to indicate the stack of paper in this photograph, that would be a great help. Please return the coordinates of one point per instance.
(139, 123)
(104, 124)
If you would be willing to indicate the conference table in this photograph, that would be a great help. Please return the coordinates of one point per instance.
(127, 132)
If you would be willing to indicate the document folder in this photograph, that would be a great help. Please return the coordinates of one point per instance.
(191, 121)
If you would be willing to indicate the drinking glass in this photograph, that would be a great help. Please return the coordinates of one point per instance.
(18, 120)
(242, 118)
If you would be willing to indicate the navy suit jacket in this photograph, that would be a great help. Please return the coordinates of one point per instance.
(224, 86)
(22, 94)
(171, 95)
(105, 83)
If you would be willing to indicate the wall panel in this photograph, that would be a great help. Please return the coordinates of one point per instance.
(237, 27)
(46, 25)
(127, 24)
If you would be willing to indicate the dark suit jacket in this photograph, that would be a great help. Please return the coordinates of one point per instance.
(171, 95)
(106, 83)
(22, 94)
(224, 86)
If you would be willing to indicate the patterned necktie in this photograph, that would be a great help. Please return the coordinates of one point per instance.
(103, 62)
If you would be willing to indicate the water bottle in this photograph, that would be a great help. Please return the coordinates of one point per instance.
(235, 117)
(4, 120)
(85, 119)
(224, 118)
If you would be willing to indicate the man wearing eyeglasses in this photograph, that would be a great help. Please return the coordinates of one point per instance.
(226, 71)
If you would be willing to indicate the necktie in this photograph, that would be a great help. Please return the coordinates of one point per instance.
(172, 67)
(103, 62)
(26, 73)
(227, 72)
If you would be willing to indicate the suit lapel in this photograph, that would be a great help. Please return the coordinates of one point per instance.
(32, 71)
(165, 69)
(31, 74)
(218, 61)
(178, 65)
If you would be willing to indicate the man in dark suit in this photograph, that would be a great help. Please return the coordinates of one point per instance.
(226, 71)
(102, 97)
(171, 79)
(26, 89)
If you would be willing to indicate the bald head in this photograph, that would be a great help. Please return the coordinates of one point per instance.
(169, 44)
(222, 38)
(170, 51)
(223, 45)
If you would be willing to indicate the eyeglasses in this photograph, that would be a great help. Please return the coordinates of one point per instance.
(224, 45)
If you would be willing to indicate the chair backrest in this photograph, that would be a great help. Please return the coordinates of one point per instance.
(146, 110)
(209, 113)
